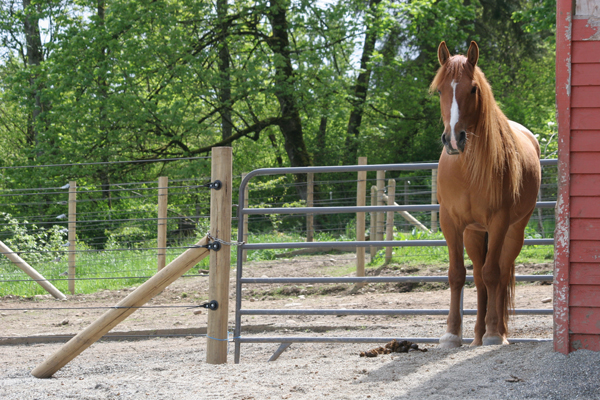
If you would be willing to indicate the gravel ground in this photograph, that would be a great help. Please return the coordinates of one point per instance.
(176, 369)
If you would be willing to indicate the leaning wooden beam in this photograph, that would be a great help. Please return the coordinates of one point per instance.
(409, 218)
(122, 310)
(36, 276)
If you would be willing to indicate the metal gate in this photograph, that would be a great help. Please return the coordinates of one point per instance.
(287, 341)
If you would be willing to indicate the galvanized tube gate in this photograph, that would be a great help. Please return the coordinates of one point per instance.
(286, 341)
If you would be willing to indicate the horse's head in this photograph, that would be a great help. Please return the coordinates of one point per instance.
(459, 93)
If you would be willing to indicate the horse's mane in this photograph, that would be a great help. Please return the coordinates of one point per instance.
(492, 150)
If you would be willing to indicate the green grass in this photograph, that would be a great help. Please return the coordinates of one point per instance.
(438, 256)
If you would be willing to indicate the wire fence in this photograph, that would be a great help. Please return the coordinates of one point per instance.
(116, 243)
(116, 224)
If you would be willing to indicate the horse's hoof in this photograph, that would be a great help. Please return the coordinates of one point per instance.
(450, 341)
(476, 343)
(494, 340)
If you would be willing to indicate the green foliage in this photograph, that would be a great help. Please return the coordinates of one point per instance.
(34, 244)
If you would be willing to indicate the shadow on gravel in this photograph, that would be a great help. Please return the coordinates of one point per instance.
(519, 371)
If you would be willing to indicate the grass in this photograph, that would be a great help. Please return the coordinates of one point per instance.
(118, 269)
(438, 256)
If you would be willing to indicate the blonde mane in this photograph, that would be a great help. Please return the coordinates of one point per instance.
(492, 151)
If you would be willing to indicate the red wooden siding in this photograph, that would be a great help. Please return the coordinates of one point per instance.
(585, 141)
(585, 207)
(585, 320)
(585, 273)
(585, 162)
(581, 288)
(588, 342)
(585, 185)
(585, 229)
(585, 96)
(585, 296)
(584, 52)
(584, 75)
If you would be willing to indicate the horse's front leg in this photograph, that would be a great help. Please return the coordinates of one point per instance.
(476, 246)
(456, 278)
(495, 282)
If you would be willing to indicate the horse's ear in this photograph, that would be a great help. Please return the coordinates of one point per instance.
(473, 53)
(443, 53)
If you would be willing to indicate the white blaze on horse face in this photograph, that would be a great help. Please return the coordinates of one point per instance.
(453, 116)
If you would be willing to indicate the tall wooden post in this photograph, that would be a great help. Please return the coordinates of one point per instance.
(163, 189)
(389, 231)
(72, 235)
(220, 228)
(245, 219)
(310, 189)
(373, 227)
(361, 193)
(381, 215)
(434, 219)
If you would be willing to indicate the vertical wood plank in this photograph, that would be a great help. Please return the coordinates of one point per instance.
(373, 227)
(380, 215)
(361, 201)
(310, 188)
(561, 247)
(220, 228)
(389, 229)
(163, 190)
(72, 235)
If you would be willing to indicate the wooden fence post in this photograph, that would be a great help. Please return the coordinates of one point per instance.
(220, 228)
(389, 232)
(373, 227)
(72, 235)
(310, 187)
(380, 215)
(361, 193)
(245, 221)
(163, 190)
(434, 218)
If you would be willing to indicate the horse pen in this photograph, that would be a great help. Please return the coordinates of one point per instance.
(175, 346)
(314, 314)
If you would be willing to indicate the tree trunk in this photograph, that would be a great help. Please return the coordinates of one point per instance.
(225, 80)
(359, 92)
(291, 124)
(35, 57)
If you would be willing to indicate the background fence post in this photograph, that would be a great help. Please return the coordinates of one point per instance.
(245, 219)
(310, 218)
(380, 215)
(389, 231)
(163, 190)
(434, 218)
(373, 227)
(220, 228)
(72, 235)
(361, 193)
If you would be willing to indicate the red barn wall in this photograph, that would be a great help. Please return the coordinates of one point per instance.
(577, 255)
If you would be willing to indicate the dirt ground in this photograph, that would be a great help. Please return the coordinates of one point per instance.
(42, 315)
(170, 368)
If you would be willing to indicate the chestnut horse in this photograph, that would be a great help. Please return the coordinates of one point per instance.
(487, 182)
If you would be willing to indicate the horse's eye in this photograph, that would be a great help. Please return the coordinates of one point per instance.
(474, 90)
(439, 92)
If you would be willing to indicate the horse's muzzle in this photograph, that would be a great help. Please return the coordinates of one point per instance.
(462, 139)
